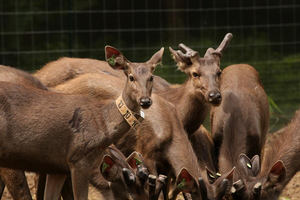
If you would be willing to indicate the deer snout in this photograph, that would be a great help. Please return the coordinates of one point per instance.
(214, 97)
(145, 102)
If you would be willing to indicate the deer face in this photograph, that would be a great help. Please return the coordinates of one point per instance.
(204, 73)
(256, 184)
(139, 75)
(205, 76)
(140, 83)
(127, 175)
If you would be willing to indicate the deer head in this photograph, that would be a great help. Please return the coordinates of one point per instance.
(217, 189)
(140, 75)
(204, 73)
(127, 175)
(256, 185)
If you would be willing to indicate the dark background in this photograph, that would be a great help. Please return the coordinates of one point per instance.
(266, 35)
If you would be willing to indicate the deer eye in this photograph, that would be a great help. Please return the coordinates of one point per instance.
(131, 78)
(195, 74)
(151, 78)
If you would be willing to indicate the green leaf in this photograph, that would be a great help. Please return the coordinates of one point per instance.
(273, 104)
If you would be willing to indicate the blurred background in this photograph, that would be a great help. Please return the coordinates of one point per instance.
(266, 36)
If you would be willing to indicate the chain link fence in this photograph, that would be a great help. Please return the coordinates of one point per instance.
(266, 35)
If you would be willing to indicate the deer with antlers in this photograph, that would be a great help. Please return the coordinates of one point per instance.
(67, 133)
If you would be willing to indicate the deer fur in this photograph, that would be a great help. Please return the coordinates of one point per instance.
(240, 123)
(15, 180)
(57, 72)
(160, 139)
(279, 165)
(73, 118)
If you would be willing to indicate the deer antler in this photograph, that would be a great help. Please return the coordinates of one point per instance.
(224, 43)
(189, 53)
(222, 47)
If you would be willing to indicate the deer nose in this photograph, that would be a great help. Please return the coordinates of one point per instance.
(215, 97)
(145, 103)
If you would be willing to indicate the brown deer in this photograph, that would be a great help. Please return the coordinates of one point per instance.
(279, 165)
(161, 138)
(64, 69)
(67, 133)
(15, 180)
(240, 123)
(192, 99)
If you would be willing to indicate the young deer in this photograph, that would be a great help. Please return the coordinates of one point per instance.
(67, 133)
(240, 123)
(279, 165)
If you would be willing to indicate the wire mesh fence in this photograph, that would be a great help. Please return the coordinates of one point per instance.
(266, 35)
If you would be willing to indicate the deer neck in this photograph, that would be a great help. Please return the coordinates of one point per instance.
(191, 106)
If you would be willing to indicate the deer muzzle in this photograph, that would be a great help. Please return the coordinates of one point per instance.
(145, 102)
(214, 98)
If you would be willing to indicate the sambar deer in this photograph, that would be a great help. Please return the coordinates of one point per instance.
(161, 138)
(279, 164)
(60, 133)
(192, 99)
(15, 180)
(240, 123)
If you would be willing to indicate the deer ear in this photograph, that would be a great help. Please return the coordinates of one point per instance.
(135, 159)
(229, 175)
(115, 58)
(277, 173)
(186, 182)
(117, 155)
(255, 165)
(108, 168)
(155, 59)
(245, 165)
(210, 175)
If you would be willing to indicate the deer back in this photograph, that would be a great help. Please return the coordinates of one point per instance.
(13, 75)
(278, 166)
(239, 125)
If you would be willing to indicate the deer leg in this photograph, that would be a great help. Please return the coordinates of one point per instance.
(67, 191)
(16, 183)
(2, 186)
(80, 176)
(54, 184)
(40, 183)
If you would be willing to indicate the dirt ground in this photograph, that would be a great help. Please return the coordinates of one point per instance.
(291, 191)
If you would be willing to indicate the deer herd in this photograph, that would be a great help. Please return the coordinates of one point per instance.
(134, 136)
